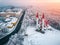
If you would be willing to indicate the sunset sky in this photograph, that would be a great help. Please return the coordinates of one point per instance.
(27, 2)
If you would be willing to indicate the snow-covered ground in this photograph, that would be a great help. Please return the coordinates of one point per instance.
(50, 37)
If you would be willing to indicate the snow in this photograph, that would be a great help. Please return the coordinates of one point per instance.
(51, 37)
(30, 30)
(14, 19)
(7, 19)
(9, 25)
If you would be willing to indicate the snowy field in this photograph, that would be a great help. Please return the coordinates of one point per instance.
(51, 37)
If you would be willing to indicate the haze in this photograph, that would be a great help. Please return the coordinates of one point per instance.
(27, 2)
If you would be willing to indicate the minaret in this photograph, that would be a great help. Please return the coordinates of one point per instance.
(46, 24)
(43, 22)
(37, 19)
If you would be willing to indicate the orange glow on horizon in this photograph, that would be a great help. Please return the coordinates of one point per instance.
(46, 1)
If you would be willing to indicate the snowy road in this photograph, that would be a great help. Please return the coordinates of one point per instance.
(51, 37)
